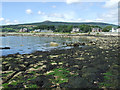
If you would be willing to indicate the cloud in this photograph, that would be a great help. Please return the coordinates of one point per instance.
(56, 15)
(99, 20)
(41, 13)
(53, 6)
(72, 1)
(9, 22)
(29, 11)
(111, 3)
(1, 19)
(15, 22)
(110, 16)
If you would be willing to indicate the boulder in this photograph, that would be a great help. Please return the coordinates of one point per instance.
(4, 47)
(54, 44)
(41, 81)
(79, 82)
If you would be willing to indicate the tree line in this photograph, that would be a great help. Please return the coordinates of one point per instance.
(60, 28)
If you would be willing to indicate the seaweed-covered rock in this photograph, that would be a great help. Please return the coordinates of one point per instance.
(41, 81)
(79, 82)
(5, 67)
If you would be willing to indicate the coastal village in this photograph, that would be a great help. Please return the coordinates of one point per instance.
(81, 58)
(60, 45)
(74, 30)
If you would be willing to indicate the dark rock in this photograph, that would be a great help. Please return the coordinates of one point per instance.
(41, 81)
(90, 41)
(5, 67)
(65, 85)
(4, 47)
(79, 82)
(83, 44)
(3, 35)
(76, 44)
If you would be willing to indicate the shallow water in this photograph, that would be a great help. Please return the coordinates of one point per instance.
(29, 44)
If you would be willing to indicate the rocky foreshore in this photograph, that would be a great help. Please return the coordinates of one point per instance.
(93, 66)
(103, 34)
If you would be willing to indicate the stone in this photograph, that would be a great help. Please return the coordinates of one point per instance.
(54, 44)
(4, 47)
(79, 82)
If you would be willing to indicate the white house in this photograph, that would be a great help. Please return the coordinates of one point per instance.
(23, 30)
(115, 30)
(96, 30)
(37, 30)
(75, 30)
(50, 31)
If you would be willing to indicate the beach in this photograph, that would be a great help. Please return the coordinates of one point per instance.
(94, 66)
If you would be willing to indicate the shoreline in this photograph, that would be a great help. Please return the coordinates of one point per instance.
(41, 69)
(101, 34)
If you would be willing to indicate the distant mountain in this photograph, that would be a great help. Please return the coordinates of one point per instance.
(101, 24)
(69, 23)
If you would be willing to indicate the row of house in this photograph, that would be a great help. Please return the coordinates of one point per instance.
(93, 30)
(36, 30)
(23, 30)
(74, 30)
(39, 30)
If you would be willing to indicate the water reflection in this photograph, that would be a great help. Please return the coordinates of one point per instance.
(28, 44)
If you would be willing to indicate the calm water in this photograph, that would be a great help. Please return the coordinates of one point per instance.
(29, 44)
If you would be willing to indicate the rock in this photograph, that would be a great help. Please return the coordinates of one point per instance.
(83, 44)
(5, 67)
(79, 82)
(53, 63)
(41, 81)
(68, 44)
(4, 47)
(65, 85)
(93, 43)
(3, 35)
(54, 44)
(76, 66)
(76, 44)
(101, 47)
(90, 41)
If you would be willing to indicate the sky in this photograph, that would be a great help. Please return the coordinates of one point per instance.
(67, 11)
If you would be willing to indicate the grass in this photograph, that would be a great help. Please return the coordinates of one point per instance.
(33, 72)
(32, 86)
(5, 85)
(61, 75)
(5, 74)
(31, 78)
(107, 80)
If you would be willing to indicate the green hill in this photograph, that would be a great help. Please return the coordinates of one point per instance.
(70, 23)
(30, 26)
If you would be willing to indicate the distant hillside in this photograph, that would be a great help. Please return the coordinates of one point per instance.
(70, 23)
(31, 26)
(63, 23)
